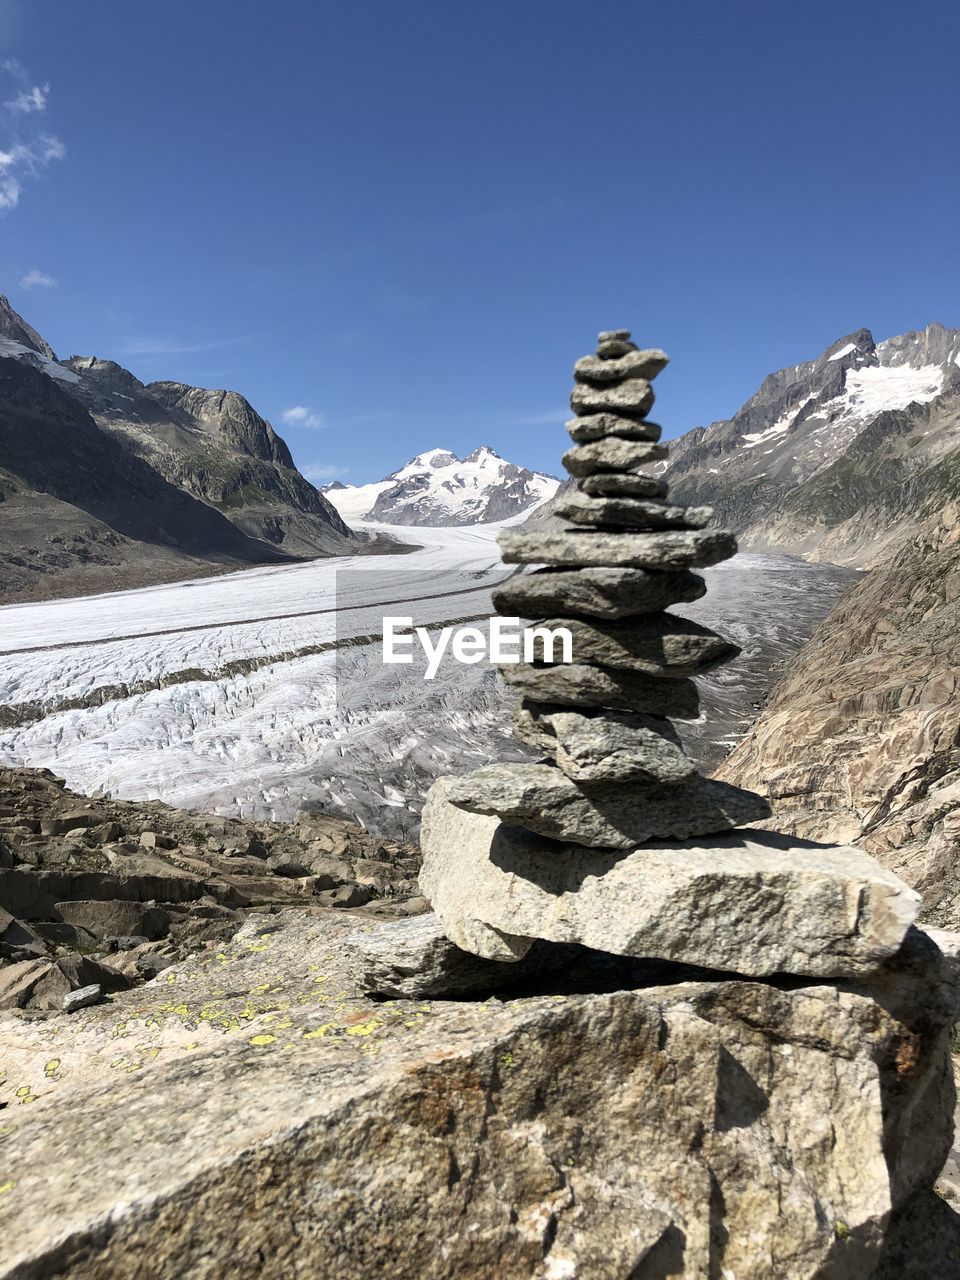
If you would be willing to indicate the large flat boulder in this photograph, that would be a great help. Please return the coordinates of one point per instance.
(251, 1114)
(749, 902)
(668, 549)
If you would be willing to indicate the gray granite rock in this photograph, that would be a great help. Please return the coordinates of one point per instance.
(606, 746)
(660, 644)
(543, 799)
(611, 454)
(609, 335)
(663, 550)
(82, 998)
(751, 902)
(633, 399)
(601, 593)
(632, 513)
(414, 958)
(623, 484)
(598, 426)
(575, 684)
(631, 364)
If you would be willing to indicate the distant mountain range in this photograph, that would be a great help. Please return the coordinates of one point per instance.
(438, 488)
(108, 483)
(837, 458)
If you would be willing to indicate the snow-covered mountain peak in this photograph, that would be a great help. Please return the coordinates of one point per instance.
(438, 488)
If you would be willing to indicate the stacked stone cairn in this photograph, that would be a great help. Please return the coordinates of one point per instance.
(613, 841)
(616, 774)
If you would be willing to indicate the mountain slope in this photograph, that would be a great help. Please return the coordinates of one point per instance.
(438, 488)
(833, 459)
(216, 446)
(860, 740)
(185, 480)
(79, 512)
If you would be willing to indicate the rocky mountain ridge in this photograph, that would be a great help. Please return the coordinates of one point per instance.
(860, 740)
(437, 488)
(833, 458)
(186, 481)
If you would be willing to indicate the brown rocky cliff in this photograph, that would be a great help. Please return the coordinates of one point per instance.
(860, 741)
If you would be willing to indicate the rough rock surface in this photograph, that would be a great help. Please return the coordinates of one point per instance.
(661, 644)
(750, 902)
(253, 1115)
(611, 454)
(597, 592)
(634, 397)
(543, 799)
(860, 740)
(632, 364)
(414, 958)
(129, 885)
(598, 426)
(633, 512)
(579, 685)
(663, 550)
(606, 746)
(623, 484)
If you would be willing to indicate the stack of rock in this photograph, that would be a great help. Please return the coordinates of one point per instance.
(614, 841)
(617, 774)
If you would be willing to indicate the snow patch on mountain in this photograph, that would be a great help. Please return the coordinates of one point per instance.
(17, 351)
(437, 488)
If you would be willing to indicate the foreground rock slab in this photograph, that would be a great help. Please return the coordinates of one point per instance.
(597, 592)
(749, 902)
(672, 1129)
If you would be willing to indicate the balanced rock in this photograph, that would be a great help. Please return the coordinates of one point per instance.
(544, 800)
(671, 549)
(751, 903)
(633, 513)
(598, 426)
(660, 644)
(577, 684)
(622, 367)
(414, 958)
(604, 746)
(632, 399)
(623, 484)
(597, 592)
(611, 454)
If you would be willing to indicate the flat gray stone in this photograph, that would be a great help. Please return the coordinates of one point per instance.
(606, 746)
(601, 593)
(631, 364)
(614, 347)
(543, 799)
(632, 513)
(662, 550)
(414, 958)
(612, 454)
(574, 684)
(598, 426)
(634, 398)
(82, 997)
(614, 335)
(623, 484)
(751, 902)
(660, 644)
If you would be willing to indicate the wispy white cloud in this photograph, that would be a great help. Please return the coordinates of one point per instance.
(173, 346)
(323, 472)
(26, 149)
(301, 415)
(29, 100)
(551, 418)
(37, 279)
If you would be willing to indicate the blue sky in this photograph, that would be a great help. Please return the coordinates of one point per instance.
(404, 221)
